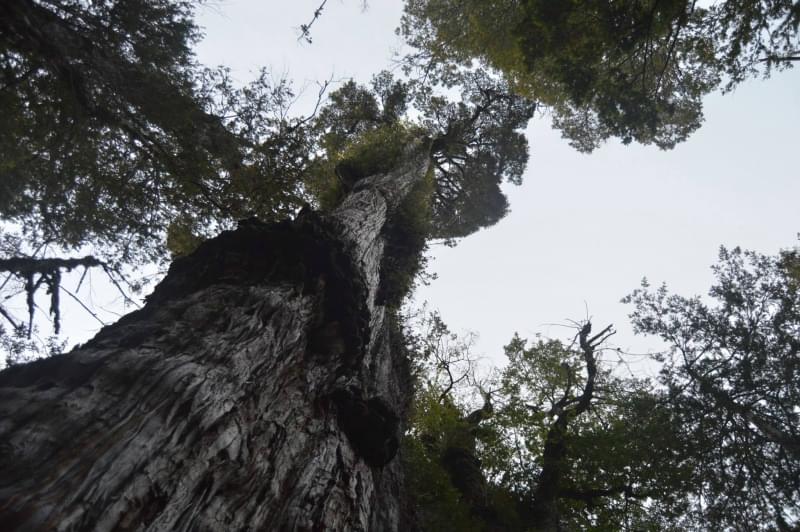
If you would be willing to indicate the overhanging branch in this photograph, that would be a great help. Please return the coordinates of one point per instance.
(36, 272)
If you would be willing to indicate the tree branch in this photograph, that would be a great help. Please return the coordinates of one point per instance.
(87, 309)
(49, 271)
(305, 29)
(24, 265)
(6, 315)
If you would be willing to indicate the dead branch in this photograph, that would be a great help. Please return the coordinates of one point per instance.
(81, 303)
(36, 272)
(21, 266)
(305, 29)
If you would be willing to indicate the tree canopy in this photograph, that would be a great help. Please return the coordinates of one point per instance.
(113, 133)
(732, 375)
(564, 439)
(115, 140)
(633, 70)
(120, 145)
(476, 142)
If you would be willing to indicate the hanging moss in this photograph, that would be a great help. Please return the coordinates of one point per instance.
(182, 237)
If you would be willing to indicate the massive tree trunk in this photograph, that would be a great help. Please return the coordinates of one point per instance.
(259, 388)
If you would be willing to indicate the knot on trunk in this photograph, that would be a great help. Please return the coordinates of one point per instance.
(371, 426)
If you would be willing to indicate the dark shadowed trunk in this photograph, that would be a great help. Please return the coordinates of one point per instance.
(257, 389)
(544, 513)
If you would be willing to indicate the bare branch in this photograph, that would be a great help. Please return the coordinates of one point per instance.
(305, 29)
(110, 271)
(6, 315)
(87, 309)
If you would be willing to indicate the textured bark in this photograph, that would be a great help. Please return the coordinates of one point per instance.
(257, 389)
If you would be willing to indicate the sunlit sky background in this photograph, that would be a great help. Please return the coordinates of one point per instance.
(583, 229)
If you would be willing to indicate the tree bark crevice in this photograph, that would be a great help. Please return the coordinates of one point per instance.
(260, 387)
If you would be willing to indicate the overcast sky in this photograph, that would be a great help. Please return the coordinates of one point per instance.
(583, 229)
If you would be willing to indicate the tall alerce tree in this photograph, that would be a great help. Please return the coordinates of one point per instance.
(258, 389)
(264, 384)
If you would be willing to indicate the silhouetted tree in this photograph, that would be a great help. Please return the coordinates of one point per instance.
(635, 70)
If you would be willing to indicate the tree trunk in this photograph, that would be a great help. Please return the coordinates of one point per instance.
(259, 388)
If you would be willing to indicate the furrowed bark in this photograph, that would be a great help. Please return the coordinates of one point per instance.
(257, 390)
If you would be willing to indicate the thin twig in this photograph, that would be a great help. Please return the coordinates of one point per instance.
(76, 298)
(305, 29)
(109, 271)
(8, 316)
(5, 282)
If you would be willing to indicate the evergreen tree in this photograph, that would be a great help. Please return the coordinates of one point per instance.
(634, 70)
(264, 384)
(563, 442)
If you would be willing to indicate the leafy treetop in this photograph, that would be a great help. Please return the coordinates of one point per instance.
(117, 144)
(476, 143)
(635, 70)
(733, 376)
(563, 439)
(112, 133)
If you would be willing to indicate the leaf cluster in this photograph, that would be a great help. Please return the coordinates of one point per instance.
(436, 502)
(476, 143)
(618, 466)
(111, 131)
(618, 455)
(732, 373)
(633, 70)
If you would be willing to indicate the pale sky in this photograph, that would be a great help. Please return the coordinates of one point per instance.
(583, 229)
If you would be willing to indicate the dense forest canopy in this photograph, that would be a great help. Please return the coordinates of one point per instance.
(117, 143)
(151, 153)
(634, 70)
(565, 438)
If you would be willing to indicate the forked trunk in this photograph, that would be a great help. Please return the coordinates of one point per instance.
(258, 389)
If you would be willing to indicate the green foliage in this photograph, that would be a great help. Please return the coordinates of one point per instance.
(19, 348)
(448, 494)
(626, 459)
(358, 132)
(618, 455)
(715, 444)
(790, 262)
(733, 375)
(635, 70)
(437, 503)
(754, 38)
(374, 151)
(377, 151)
(118, 144)
(476, 144)
(406, 234)
(182, 237)
(110, 129)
